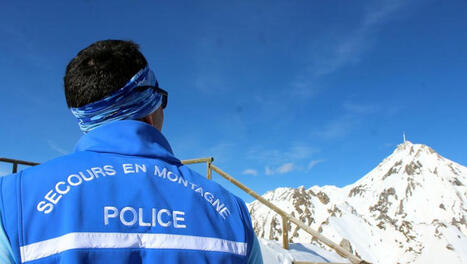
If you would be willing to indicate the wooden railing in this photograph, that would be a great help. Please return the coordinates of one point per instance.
(284, 215)
(17, 162)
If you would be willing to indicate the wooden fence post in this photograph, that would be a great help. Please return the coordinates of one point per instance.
(209, 175)
(285, 232)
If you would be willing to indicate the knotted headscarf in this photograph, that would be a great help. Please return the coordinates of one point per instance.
(126, 103)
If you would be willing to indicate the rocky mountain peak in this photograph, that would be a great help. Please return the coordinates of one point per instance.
(408, 149)
(413, 203)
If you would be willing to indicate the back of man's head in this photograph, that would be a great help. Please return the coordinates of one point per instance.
(100, 69)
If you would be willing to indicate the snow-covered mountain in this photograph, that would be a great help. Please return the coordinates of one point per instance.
(410, 209)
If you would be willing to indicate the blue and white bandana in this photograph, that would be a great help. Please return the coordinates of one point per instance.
(125, 103)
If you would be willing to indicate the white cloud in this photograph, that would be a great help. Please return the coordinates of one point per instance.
(294, 157)
(287, 167)
(331, 52)
(313, 163)
(300, 151)
(269, 171)
(222, 152)
(344, 124)
(57, 148)
(284, 168)
(337, 128)
(349, 48)
(251, 172)
(294, 152)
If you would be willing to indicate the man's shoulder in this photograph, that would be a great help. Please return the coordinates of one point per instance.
(38, 168)
(211, 188)
(211, 184)
(57, 163)
(51, 170)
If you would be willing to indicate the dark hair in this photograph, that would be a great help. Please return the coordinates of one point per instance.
(100, 69)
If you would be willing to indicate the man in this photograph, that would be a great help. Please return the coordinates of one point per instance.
(121, 196)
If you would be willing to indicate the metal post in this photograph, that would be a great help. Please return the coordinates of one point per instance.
(17, 162)
(15, 167)
(22, 162)
(209, 175)
(285, 233)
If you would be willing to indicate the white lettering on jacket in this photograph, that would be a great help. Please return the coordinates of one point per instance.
(61, 188)
(216, 203)
(129, 216)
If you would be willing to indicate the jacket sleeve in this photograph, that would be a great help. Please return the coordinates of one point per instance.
(6, 253)
(255, 256)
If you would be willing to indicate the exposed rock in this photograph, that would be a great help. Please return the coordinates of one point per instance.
(323, 198)
(400, 210)
(274, 229)
(457, 182)
(383, 201)
(455, 171)
(346, 245)
(410, 187)
(394, 169)
(334, 211)
(359, 189)
(413, 168)
(459, 222)
(406, 229)
(302, 205)
(439, 225)
(381, 225)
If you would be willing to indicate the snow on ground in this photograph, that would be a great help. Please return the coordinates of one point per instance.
(273, 253)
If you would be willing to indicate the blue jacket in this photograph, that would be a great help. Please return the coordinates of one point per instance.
(122, 197)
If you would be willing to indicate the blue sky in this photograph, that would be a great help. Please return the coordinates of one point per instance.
(281, 93)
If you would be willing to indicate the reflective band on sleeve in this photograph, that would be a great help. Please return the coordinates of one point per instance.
(80, 240)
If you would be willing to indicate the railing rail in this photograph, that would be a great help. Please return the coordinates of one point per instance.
(287, 217)
(284, 215)
(17, 162)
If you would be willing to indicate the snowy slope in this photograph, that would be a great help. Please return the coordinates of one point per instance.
(273, 253)
(410, 209)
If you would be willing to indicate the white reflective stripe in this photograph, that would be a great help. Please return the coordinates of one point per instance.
(70, 241)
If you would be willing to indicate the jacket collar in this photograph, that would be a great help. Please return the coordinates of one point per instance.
(128, 137)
